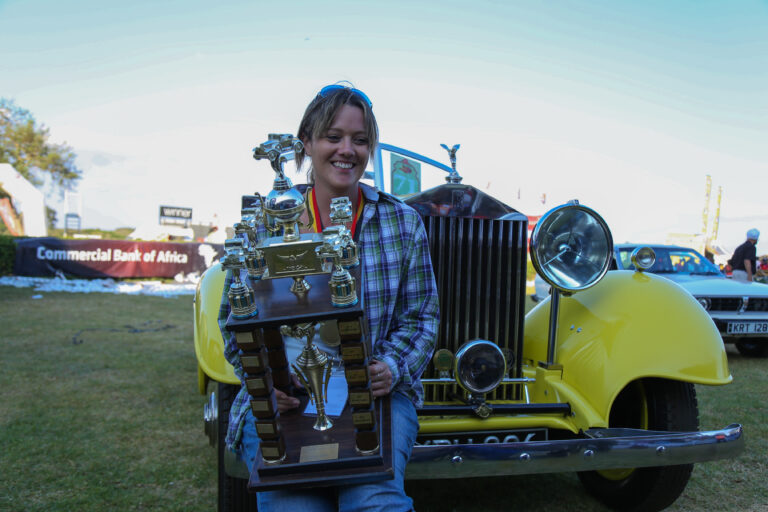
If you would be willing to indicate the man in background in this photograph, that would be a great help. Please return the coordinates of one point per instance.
(744, 259)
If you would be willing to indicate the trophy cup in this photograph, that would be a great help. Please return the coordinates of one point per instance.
(241, 297)
(313, 368)
(283, 205)
(341, 213)
(248, 228)
(300, 280)
(336, 244)
(293, 254)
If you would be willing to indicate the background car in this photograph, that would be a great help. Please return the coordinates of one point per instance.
(739, 310)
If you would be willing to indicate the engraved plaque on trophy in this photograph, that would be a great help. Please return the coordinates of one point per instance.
(299, 284)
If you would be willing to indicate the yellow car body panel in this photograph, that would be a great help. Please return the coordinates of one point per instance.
(629, 326)
(209, 345)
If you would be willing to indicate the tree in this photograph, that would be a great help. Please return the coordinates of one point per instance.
(24, 144)
(50, 218)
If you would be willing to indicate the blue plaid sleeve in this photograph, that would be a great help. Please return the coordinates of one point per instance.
(401, 294)
(232, 355)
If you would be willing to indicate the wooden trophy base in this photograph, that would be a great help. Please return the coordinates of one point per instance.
(327, 458)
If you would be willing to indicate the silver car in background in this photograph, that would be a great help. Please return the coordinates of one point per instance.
(739, 310)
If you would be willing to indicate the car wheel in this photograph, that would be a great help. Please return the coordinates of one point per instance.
(752, 348)
(651, 404)
(233, 492)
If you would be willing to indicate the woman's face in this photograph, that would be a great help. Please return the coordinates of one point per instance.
(340, 155)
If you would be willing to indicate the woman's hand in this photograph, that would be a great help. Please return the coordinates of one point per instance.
(286, 402)
(381, 378)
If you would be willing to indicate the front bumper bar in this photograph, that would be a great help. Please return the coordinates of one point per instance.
(604, 448)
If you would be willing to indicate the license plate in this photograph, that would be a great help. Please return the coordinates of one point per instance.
(747, 328)
(488, 437)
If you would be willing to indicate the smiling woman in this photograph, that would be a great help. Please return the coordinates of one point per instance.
(339, 134)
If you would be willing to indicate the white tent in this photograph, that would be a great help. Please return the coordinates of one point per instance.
(27, 200)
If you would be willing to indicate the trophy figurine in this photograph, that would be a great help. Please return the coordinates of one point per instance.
(283, 205)
(248, 227)
(241, 297)
(341, 283)
(341, 213)
(313, 368)
(293, 254)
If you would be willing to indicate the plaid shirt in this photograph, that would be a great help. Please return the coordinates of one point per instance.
(401, 301)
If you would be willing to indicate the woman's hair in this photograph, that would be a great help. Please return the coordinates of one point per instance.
(321, 112)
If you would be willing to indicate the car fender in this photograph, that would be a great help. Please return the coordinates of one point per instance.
(629, 326)
(209, 345)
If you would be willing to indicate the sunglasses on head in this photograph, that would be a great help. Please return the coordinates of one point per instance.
(335, 87)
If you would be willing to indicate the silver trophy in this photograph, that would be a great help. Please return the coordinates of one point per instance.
(313, 368)
(283, 205)
(293, 254)
(248, 228)
(342, 284)
(341, 214)
(240, 295)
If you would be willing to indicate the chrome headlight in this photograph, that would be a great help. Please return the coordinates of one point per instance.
(643, 258)
(571, 247)
(705, 302)
(480, 366)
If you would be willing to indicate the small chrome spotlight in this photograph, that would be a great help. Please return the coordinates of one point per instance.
(480, 366)
(643, 258)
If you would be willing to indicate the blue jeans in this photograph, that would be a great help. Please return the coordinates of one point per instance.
(383, 496)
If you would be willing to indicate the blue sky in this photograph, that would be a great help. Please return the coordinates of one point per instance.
(626, 106)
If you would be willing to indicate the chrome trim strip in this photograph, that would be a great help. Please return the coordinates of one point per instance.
(605, 449)
(563, 409)
(507, 380)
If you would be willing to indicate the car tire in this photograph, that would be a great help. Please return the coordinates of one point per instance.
(750, 348)
(652, 404)
(233, 492)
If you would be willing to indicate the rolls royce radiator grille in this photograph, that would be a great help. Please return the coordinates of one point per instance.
(480, 269)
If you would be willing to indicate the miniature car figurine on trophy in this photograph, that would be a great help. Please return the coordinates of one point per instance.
(247, 228)
(297, 281)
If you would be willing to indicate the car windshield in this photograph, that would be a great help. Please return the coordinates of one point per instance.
(671, 260)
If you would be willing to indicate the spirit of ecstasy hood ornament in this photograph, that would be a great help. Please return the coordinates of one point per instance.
(453, 177)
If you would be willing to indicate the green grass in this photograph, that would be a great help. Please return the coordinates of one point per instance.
(100, 411)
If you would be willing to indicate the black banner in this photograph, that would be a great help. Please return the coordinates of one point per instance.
(112, 258)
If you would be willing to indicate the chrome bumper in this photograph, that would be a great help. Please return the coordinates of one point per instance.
(601, 449)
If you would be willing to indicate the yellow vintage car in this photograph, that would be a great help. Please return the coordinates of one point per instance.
(598, 378)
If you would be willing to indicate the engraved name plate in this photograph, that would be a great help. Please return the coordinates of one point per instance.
(316, 452)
